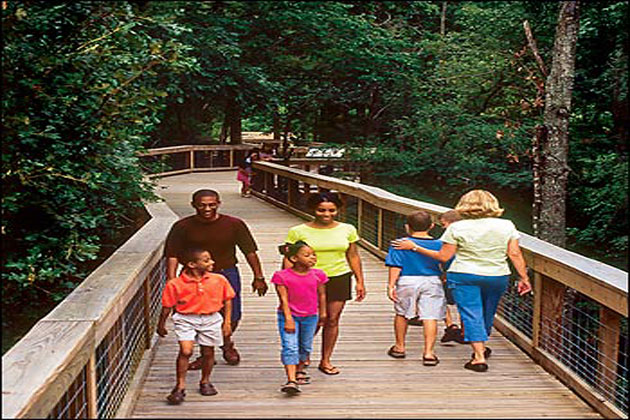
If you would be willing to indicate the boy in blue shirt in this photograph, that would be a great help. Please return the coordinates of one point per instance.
(415, 287)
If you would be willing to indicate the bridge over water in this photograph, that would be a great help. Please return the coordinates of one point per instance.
(96, 355)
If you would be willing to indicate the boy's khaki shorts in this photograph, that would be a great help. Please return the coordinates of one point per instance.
(205, 330)
(420, 296)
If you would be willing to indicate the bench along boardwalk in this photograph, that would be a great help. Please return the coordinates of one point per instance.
(371, 384)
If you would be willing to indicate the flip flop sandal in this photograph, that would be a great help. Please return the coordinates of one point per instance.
(396, 354)
(329, 371)
(302, 378)
(291, 388)
(478, 367)
(426, 361)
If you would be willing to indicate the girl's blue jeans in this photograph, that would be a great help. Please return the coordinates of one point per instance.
(477, 298)
(297, 346)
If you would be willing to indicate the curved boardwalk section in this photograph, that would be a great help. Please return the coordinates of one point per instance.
(371, 384)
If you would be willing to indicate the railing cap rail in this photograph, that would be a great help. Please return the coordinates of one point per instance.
(603, 274)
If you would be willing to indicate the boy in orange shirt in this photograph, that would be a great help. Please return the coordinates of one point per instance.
(196, 297)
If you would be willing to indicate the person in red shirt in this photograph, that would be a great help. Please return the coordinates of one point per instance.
(195, 299)
(220, 234)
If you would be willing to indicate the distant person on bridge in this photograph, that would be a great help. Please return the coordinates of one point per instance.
(195, 299)
(481, 244)
(220, 234)
(338, 256)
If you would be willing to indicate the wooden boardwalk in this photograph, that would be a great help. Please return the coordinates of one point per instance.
(371, 383)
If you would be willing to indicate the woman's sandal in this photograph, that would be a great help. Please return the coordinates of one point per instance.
(486, 353)
(329, 370)
(302, 377)
(477, 367)
(291, 388)
(395, 353)
(427, 361)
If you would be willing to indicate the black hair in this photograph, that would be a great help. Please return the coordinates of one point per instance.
(313, 200)
(190, 255)
(419, 221)
(204, 193)
(290, 250)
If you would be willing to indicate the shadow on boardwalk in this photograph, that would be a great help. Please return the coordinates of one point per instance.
(371, 383)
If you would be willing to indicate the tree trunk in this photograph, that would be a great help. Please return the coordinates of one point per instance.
(225, 128)
(559, 88)
(443, 19)
(276, 125)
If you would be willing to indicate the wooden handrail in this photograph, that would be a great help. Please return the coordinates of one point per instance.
(554, 270)
(606, 284)
(39, 368)
(194, 148)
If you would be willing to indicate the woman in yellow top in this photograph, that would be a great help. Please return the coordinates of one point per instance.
(337, 253)
(481, 244)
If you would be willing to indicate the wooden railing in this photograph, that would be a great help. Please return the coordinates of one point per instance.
(79, 360)
(572, 326)
(190, 158)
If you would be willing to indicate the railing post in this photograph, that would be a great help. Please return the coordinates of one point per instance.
(552, 304)
(608, 348)
(360, 217)
(147, 313)
(267, 182)
(379, 229)
(293, 193)
(91, 389)
(537, 309)
(192, 159)
(231, 158)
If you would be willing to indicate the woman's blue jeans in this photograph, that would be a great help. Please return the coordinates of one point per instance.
(297, 346)
(477, 299)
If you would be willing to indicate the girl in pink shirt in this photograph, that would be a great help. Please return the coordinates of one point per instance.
(302, 308)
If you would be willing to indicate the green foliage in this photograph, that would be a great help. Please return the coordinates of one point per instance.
(81, 94)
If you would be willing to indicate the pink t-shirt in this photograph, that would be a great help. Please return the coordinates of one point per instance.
(302, 289)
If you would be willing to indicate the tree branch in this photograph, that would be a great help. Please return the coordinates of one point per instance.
(532, 46)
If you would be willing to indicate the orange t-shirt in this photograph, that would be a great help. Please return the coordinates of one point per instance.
(190, 296)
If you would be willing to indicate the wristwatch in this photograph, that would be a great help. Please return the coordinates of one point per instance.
(415, 248)
(259, 278)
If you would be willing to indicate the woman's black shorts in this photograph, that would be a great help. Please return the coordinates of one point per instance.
(338, 288)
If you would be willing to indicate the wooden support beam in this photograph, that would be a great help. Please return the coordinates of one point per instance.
(608, 347)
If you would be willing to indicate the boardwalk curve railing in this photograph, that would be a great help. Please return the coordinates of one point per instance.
(79, 360)
(574, 325)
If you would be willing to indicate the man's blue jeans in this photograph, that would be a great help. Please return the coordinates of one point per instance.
(297, 346)
(477, 299)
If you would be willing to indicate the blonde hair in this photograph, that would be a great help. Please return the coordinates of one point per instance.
(476, 204)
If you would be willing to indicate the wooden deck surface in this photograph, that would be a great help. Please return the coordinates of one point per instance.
(371, 384)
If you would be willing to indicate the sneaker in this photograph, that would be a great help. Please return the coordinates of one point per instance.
(230, 355)
(452, 333)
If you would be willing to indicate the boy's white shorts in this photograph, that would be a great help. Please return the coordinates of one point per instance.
(420, 296)
(205, 330)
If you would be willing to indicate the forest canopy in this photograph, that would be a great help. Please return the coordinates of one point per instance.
(448, 93)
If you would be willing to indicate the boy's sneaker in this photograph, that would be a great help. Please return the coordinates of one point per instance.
(452, 333)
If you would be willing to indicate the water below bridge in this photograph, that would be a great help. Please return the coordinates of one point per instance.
(371, 384)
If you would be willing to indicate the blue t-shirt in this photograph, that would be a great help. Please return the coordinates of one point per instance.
(413, 263)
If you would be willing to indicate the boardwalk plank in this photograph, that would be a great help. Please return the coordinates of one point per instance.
(371, 384)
